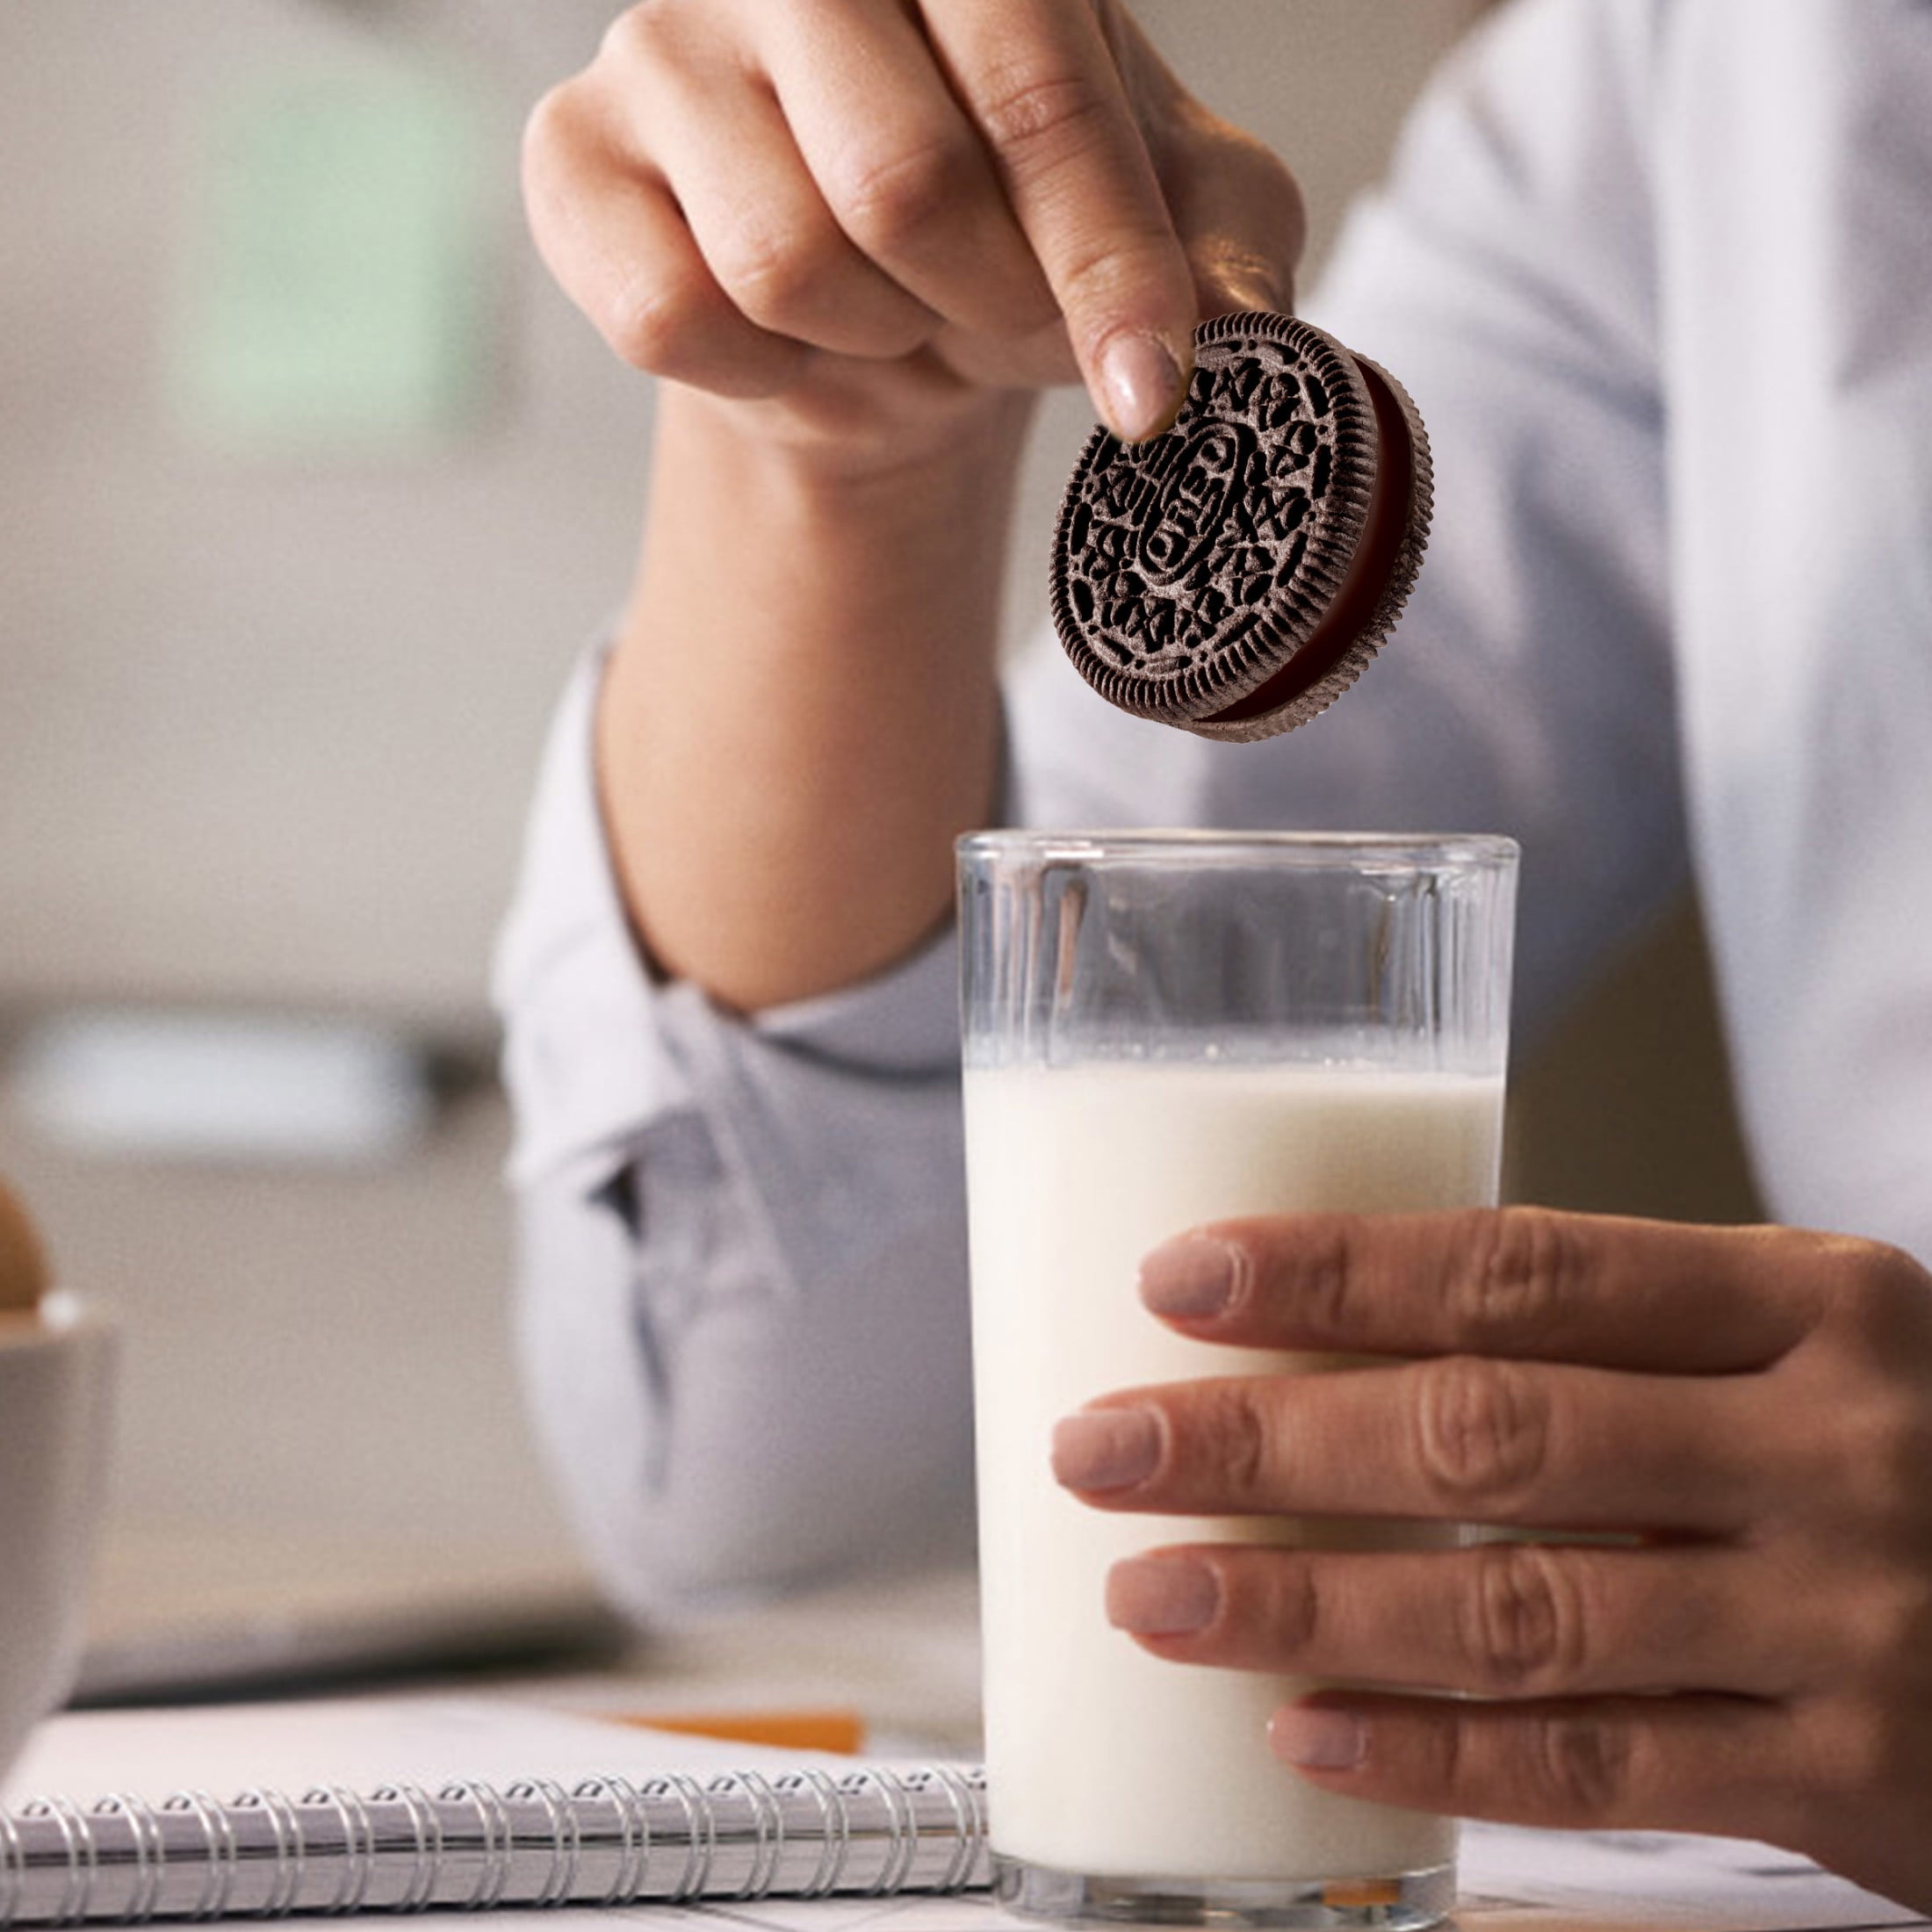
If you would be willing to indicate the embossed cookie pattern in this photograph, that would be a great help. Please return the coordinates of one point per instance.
(1233, 575)
(1182, 542)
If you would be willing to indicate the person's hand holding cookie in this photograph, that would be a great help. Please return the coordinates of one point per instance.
(872, 208)
(855, 238)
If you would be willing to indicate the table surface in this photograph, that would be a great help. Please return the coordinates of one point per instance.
(901, 1652)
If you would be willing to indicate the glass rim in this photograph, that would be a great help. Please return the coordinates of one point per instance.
(1467, 850)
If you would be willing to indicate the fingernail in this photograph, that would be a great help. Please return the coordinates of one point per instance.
(1191, 1277)
(1141, 384)
(1105, 1448)
(1317, 1740)
(1161, 1596)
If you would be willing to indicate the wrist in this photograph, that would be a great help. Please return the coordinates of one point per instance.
(846, 441)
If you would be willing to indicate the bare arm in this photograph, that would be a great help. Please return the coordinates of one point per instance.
(856, 240)
(800, 720)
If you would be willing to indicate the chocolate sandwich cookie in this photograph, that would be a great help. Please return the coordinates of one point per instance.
(1234, 575)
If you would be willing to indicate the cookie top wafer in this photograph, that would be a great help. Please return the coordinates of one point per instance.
(1233, 575)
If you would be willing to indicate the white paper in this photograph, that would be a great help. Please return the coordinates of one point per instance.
(359, 1743)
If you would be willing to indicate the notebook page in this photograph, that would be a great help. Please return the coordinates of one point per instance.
(358, 1742)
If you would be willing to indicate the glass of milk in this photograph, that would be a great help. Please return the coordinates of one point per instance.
(1163, 1029)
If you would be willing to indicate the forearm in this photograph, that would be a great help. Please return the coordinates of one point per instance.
(804, 642)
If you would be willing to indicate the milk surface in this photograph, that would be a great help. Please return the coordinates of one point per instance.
(1103, 1760)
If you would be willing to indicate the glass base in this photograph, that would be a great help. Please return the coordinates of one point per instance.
(1403, 1902)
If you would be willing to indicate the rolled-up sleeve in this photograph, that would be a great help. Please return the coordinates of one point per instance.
(742, 1305)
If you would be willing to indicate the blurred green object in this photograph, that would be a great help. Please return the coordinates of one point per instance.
(338, 295)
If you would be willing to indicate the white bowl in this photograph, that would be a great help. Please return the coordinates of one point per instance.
(57, 1371)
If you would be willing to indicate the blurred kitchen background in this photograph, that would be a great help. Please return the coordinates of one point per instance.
(310, 487)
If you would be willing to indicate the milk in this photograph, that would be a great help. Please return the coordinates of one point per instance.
(1103, 1760)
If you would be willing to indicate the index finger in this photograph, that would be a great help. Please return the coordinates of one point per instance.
(1611, 1291)
(1039, 82)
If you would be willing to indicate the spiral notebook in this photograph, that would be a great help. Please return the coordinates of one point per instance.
(594, 1816)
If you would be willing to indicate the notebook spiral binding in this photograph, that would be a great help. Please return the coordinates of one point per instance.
(804, 1834)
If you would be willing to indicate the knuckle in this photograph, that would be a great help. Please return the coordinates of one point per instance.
(1519, 1270)
(1481, 1433)
(1864, 1747)
(1893, 1467)
(551, 125)
(1277, 193)
(1315, 1275)
(1090, 274)
(1523, 1631)
(1237, 1441)
(1437, 1755)
(1271, 197)
(1854, 1463)
(1862, 1435)
(639, 35)
(1583, 1762)
(1879, 1294)
(649, 322)
(562, 137)
(774, 278)
(1894, 1625)
(1447, 1750)
(886, 200)
(1284, 1612)
(1038, 120)
(1295, 1610)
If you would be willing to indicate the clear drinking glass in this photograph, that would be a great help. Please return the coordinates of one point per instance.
(1163, 1029)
